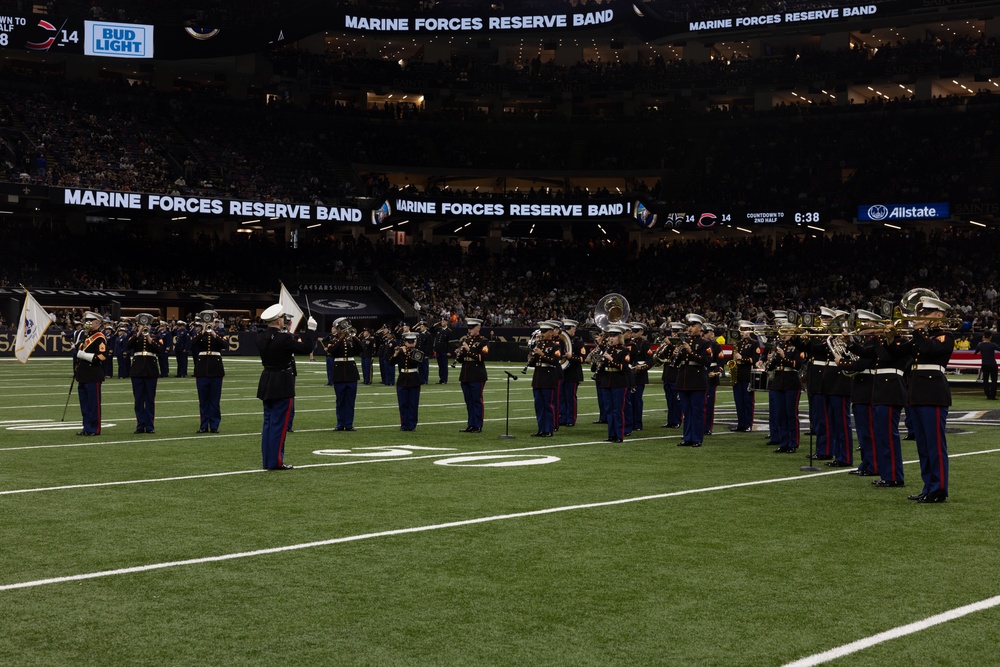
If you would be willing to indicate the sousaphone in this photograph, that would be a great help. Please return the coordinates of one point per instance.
(611, 309)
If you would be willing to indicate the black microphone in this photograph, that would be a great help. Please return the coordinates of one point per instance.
(510, 375)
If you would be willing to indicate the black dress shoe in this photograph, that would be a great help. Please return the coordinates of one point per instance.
(215, 430)
(465, 430)
(910, 436)
(338, 428)
(708, 433)
(282, 467)
(683, 443)
(349, 428)
(547, 434)
(475, 430)
(887, 483)
(785, 450)
(598, 422)
(735, 429)
(139, 430)
(203, 430)
(671, 426)
(291, 430)
(918, 497)
(695, 444)
(837, 464)
(535, 434)
(150, 430)
(817, 457)
(936, 497)
(637, 428)
(570, 424)
(617, 440)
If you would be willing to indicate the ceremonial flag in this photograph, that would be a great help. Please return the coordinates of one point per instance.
(33, 325)
(291, 308)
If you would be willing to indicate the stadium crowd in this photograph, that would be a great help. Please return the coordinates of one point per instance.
(724, 279)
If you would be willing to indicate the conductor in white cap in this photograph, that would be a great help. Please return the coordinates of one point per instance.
(276, 387)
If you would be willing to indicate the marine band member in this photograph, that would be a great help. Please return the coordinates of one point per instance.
(746, 353)
(472, 355)
(341, 347)
(208, 346)
(89, 355)
(547, 354)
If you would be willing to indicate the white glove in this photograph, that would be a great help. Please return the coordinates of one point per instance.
(86, 356)
(311, 324)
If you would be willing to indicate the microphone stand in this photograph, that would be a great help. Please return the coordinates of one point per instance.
(810, 467)
(507, 435)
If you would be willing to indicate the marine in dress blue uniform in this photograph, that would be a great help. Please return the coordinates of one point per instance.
(88, 369)
(572, 375)
(120, 348)
(472, 355)
(163, 356)
(367, 343)
(276, 388)
(144, 372)
(714, 375)
(425, 343)
(109, 335)
(407, 357)
(692, 380)
(888, 395)
(442, 339)
(182, 347)
(613, 382)
(784, 387)
(667, 353)
(640, 362)
(929, 396)
(746, 353)
(988, 350)
(547, 354)
(861, 368)
(208, 345)
(340, 351)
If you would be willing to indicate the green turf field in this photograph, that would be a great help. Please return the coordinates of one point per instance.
(388, 548)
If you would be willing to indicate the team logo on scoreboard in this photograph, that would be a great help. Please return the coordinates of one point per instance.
(47, 44)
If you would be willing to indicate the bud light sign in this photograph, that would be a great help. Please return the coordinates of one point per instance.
(118, 40)
(895, 212)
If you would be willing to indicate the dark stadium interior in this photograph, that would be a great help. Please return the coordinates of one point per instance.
(903, 109)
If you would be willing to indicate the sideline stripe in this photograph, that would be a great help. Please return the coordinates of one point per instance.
(895, 633)
(398, 531)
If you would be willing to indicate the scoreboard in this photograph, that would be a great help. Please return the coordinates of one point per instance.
(47, 34)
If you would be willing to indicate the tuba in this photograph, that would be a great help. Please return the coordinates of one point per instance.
(611, 309)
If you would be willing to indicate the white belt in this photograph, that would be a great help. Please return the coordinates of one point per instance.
(823, 363)
(344, 359)
(888, 371)
(871, 371)
(695, 363)
(928, 367)
(546, 365)
(145, 354)
(214, 354)
(409, 370)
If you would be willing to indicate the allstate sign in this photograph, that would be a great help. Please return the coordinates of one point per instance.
(118, 40)
(888, 212)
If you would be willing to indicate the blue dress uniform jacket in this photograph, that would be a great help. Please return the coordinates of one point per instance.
(207, 347)
(276, 388)
(182, 349)
(743, 397)
(89, 376)
(784, 388)
(613, 386)
(692, 387)
(407, 388)
(145, 371)
(545, 385)
(340, 351)
(929, 398)
(473, 378)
